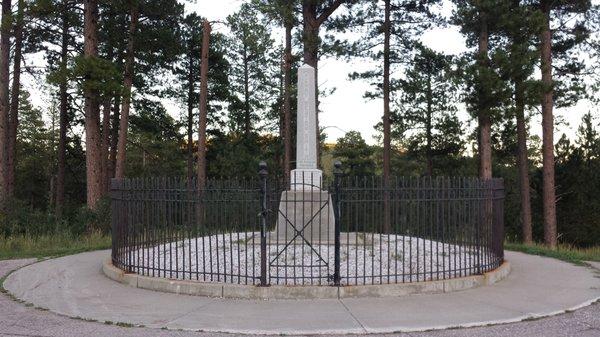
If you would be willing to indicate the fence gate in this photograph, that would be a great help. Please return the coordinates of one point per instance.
(301, 234)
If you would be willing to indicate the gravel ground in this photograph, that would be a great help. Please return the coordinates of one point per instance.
(18, 320)
(372, 259)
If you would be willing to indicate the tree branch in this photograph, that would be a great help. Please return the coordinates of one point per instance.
(328, 11)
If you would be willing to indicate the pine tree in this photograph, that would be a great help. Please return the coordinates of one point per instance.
(555, 46)
(152, 18)
(203, 108)
(92, 114)
(519, 25)
(356, 155)
(425, 116)
(58, 24)
(588, 140)
(15, 91)
(283, 12)
(188, 78)
(127, 87)
(35, 149)
(478, 20)
(254, 70)
(396, 26)
(5, 28)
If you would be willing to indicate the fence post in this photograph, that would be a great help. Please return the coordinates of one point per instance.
(336, 213)
(114, 220)
(262, 166)
(499, 219)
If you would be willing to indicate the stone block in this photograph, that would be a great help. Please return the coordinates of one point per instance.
(307, 212)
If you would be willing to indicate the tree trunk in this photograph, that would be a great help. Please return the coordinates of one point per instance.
(203, 106)
(190, 116)
(106, 134)
(127, 84)
(246, 92)
(105, 147)
(312, 22)
(522, 163)
(387, 146)
(92, 113)
(14, 105)
(549, 194)
(278, 156)
(485, 124)
(287, 93)
(485, 151)
(64, 115)
(4, 100)
(114, 137)
(428, 129)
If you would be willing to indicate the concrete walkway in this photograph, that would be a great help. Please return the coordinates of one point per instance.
(74, 286)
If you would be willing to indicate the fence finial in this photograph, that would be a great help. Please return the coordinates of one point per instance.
(262, 167)
(338, 166)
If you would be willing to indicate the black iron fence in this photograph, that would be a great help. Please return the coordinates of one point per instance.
(347, 230)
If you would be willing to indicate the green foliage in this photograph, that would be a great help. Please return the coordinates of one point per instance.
(155, 146)
(29, 213)
(35, 150)
(424, 119)
(355, 154)
(578, 183)
(485, 90)
(187, 71)
(156, 43)
(254, 73)
(92, 221)
(237, 155)
(571, 27)
(283, 11)
(95, 73)
(20, 219)
(409, 19)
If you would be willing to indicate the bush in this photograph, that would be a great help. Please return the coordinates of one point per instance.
(20, 219)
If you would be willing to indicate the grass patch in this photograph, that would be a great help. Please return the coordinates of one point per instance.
(23, 246)
(562, 252)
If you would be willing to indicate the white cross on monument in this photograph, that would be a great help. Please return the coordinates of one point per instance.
(306, 175)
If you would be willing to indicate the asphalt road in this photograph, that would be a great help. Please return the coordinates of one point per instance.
(18, 320)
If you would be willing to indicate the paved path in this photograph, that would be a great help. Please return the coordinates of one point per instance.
(19, 320)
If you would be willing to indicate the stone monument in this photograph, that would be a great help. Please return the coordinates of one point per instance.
(305, 210)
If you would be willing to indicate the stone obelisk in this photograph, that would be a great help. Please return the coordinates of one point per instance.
(306, 211)
(306, 175)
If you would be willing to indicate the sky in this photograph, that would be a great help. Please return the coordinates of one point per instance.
(346, 110)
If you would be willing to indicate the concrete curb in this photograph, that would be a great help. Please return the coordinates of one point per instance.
(239, 291)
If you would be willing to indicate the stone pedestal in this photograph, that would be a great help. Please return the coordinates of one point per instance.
(306, 179)
(307, 211)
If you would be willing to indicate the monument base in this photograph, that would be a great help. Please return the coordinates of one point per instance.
(308, 212)
(306, 179)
